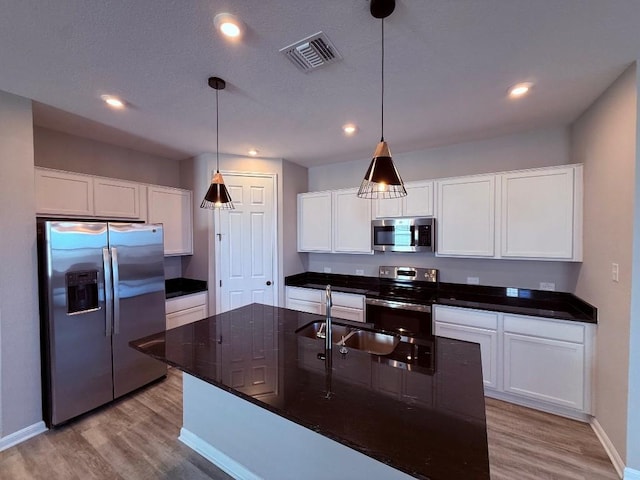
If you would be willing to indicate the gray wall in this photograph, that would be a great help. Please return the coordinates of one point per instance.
(633, 418)
(537, 148)
(68, 152)
(604, 139)
(295, 181)
(20, 394)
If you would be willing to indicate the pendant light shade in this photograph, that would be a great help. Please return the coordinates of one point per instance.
(217, 196)
(382, 179)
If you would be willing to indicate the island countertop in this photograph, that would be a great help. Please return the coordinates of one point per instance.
(419, 410)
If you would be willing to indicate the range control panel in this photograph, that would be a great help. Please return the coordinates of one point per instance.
(409, 274)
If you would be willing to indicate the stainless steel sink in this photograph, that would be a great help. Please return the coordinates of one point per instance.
(369, 341)
(372, 342)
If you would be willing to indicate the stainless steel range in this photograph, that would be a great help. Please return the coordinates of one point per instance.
(403, 301)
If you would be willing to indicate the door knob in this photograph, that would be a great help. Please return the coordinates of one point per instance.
(268, 282)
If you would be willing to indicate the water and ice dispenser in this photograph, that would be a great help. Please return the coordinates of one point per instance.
(82, 291)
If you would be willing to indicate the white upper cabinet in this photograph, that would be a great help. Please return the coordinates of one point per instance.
(466, 216)
(63, 193)
(173, 207)
(351, 222)
(314, 222)
(542, 213)
(116, 198)
(417, 203)
(334, 222)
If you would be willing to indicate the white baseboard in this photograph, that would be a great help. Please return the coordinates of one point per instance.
(614, 456)
(22, 435)
(631, 474)
(215, 456)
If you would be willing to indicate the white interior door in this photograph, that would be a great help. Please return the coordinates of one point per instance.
(246, 243)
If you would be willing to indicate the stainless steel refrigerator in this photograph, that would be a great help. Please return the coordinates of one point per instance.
(101, 285)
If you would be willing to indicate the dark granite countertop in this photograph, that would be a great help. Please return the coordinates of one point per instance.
(177, 287)
(521, 301)
(419, 410)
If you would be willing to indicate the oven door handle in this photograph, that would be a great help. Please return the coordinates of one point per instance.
(401, 305)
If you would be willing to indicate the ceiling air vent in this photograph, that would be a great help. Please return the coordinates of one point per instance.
(312, 52)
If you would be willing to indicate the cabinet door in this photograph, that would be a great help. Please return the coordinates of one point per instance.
(419, 199)
(466, 216)
(314, 222)
(351, 222)
(388, 207)
(538, 213)
(543, 369)
(173, 208)
(116, 198)
(488, 340)
(62, 193)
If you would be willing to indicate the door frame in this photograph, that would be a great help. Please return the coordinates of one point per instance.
(216, 224)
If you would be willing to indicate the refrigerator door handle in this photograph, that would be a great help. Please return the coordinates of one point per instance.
(108, 291)
(116, 292)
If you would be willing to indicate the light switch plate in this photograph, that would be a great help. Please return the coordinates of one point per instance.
(473, 280)
(549, 286)
(327, 269)
(359, 271)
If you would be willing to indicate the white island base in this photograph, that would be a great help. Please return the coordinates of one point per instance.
(250, 442)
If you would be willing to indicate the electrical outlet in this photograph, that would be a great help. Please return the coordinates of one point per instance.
(550, 286)
(473, 280)
(615, 272)
(359, 271)
(327, 269)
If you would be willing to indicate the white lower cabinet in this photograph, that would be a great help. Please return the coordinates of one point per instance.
(344, 305)
(186, 309)
(539, 362)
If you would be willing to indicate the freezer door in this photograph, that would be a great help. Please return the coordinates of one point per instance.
(137, 254)
(76, 353)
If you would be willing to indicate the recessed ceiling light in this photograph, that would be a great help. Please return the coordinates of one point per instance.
(253, 152)
(520, 89)
(113, 102)
(229, 25)
(349, 129)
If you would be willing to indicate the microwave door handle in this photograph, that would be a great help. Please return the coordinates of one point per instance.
(116, 291)
(108, 291)
(416, 235)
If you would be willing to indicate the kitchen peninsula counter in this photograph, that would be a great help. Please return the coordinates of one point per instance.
(419, 410)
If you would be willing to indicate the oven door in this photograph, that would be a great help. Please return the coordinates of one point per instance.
(408, 319)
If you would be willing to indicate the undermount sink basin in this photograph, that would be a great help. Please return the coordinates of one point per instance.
(369, 341)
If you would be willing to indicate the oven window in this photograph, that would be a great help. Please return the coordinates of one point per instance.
(406, 322)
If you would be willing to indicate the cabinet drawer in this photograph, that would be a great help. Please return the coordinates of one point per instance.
(308, 294)
(463, 316)
(353, 314)
(347, 300)
(185, 302)
(182, 317)
(537, 327)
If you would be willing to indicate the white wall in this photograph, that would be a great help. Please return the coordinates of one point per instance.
(604, 139)
(295, 180)
(20, 393)
(537, 148)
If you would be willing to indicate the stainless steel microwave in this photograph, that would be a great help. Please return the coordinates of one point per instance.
(403, 234)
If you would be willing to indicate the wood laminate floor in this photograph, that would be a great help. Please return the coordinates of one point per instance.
(136, 438)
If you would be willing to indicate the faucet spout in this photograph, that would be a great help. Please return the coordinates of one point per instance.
(327, 331)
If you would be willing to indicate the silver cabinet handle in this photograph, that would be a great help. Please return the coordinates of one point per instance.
(116, 290)
(108, 291)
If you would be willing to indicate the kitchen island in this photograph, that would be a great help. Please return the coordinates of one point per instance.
(262, 401)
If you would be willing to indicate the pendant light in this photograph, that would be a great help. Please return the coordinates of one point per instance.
(382, 179)
(217, 196)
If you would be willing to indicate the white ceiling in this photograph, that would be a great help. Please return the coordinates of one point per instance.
(448, 66)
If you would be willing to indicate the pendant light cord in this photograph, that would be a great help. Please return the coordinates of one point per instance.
(217, 137)
(382, 81)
